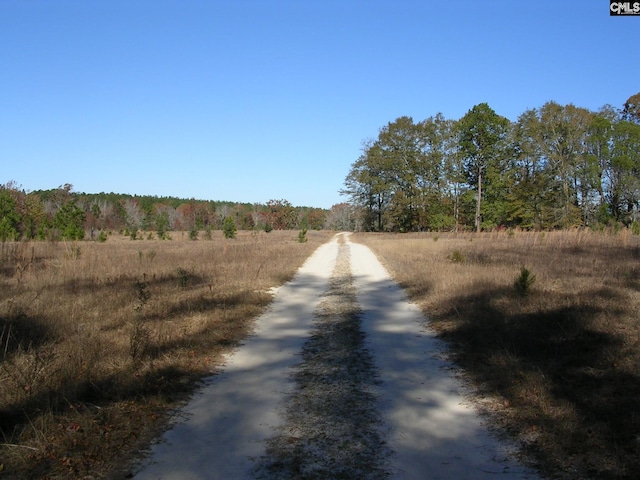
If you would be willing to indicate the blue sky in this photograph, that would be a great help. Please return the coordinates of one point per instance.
(248, 100)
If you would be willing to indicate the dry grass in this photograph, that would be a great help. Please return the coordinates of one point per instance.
(558, 363)
(99, 340)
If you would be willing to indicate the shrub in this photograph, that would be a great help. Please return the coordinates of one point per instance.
(183, 277)
(302, 235)
(456, 257)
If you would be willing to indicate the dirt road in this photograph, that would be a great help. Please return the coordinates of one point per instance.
(340, 380)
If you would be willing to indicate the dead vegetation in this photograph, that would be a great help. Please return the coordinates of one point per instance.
(546, 326)
(98, 341)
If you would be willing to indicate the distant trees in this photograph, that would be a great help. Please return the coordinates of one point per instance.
(557, 166)
(9, 218)
(399, 179)
(62, 213)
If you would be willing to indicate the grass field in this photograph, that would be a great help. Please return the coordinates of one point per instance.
(553, 350)
(98, 341)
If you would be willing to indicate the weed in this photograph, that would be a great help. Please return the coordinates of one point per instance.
(183, 277)
(456, 257)
(73, 251)
(140, 335)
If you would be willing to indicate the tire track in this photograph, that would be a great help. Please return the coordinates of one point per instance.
(332, 427)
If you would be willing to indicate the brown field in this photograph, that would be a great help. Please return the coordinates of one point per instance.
(99, 341)
(556, 361)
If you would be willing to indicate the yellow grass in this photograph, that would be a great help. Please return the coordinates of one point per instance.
(560, 363)
(99, 340)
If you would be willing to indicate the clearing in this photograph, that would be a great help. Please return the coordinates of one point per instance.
(340, 379)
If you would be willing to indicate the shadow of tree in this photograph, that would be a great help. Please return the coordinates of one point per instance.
(558, 368)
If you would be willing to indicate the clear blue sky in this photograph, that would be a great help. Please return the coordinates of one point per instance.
(251, 100)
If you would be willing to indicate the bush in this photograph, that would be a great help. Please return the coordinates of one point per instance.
(456, 257)
(302, 235)
(183, 277)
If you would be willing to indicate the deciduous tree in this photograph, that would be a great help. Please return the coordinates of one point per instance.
(482, 139)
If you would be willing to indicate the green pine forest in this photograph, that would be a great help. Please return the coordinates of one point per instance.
(555, 167)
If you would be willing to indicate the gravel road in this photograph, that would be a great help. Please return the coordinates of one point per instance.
(340, 380)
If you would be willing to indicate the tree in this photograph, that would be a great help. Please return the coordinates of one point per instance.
(598, 145)
(563, 132)
(631, 110)
(400, 149)
(229, 227)
(69, 221)
(482, 135)
(341, 217)
(530, 178)
(281, 215)
(439, 182)
(9, 218)
(624, 172)
(368, 188)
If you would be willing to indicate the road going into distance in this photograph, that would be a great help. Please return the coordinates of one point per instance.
(340, 379)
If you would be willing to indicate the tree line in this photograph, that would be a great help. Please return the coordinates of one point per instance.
(557, 166)
(61, 213)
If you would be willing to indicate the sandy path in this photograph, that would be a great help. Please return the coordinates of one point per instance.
(229, 428)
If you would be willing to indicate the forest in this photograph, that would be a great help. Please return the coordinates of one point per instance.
(61, 213)
(555, 167)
